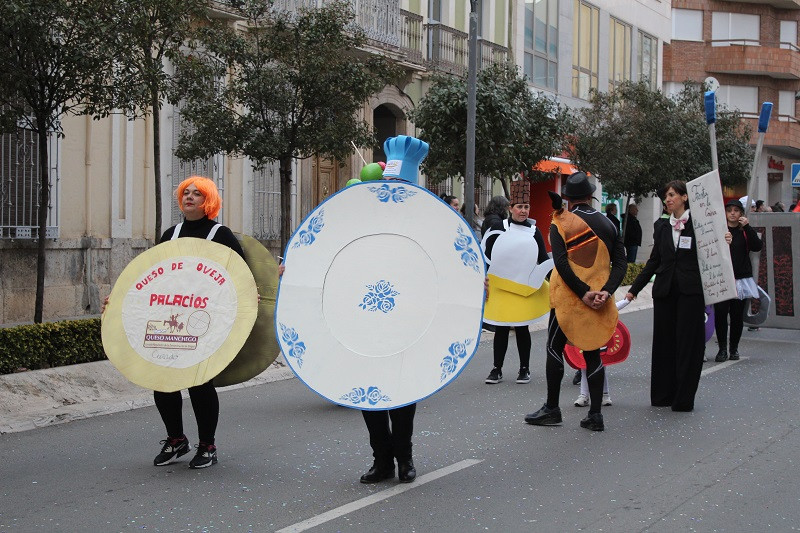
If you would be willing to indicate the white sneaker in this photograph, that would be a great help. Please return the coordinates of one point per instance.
(606, 399)
(582, 401)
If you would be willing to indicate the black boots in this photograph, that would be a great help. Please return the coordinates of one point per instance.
(378, 472)
(722, 355)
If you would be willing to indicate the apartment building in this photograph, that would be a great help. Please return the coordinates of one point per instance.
(750, 50)
(102, 212)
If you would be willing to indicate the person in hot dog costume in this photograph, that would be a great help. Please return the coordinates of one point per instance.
(590, 262)
(200, 202)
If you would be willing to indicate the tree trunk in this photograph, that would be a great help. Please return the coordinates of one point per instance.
(156, 108)
(625, 219)
(505, 185)
(44, 201)
(286, 200)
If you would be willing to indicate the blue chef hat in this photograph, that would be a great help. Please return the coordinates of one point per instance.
(403, 156)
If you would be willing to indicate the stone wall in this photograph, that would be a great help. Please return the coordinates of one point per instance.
(79, 274)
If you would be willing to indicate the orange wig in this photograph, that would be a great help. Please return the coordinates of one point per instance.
(212, 203)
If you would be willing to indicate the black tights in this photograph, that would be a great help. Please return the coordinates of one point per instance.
(523, 335)
(734, 309)
(554, 368)
(205, 404)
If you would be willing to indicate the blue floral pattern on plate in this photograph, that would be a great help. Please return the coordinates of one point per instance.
(370, 395)
(463, 245)
(380, 297)
(295, 348)
(307, 236)
(397, 194)
(458, 351)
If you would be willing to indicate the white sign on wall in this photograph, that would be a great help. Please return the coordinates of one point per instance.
(710, 226)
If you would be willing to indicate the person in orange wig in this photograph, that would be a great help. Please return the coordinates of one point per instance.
(199, 201)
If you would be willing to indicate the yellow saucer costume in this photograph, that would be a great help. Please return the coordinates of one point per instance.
(586, 328)
(518, 292)
(261, 347)
(179, 313)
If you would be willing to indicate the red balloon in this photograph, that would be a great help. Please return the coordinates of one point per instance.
(382, 164)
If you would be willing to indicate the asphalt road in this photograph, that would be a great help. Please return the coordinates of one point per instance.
(291, 461)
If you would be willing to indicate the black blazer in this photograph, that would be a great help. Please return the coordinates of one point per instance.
(668, 261)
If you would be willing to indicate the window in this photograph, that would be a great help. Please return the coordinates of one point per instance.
(435, 11)
(786, 103)
(745, 99)
(687, 25)
(209, 168)
(619, 53)
(789, 34)
(585, 44)
(541, 43)
(734, 28)
(648, 60)
(20, 185)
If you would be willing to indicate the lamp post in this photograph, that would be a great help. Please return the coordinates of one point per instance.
(469, 179)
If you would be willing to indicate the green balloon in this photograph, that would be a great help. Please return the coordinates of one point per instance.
(352, 182)
(371, 172)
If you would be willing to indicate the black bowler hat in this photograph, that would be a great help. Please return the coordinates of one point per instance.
(735, 203)
(577, 186)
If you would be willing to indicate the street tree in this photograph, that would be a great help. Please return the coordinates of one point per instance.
(635, 140)
(283, 85)
(145, 35)
(515, 128)
(52, 64)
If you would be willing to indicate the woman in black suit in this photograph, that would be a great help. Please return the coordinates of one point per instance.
(678, 318)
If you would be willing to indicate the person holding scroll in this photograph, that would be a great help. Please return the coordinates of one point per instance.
(678, 306)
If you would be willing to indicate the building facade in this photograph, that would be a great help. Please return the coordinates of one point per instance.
(750, 51)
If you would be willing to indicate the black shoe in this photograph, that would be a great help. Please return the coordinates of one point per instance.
(734, 356)
(524, 376)
(495, 376)
(546, 416)
(206, 456)
(379, 473)
(172, 449)
(593, 421)
(406, 471)
(577, 379)
(722, 355)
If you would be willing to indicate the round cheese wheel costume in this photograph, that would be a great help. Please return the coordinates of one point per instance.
(179, 313)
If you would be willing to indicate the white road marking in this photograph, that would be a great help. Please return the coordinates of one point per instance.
(720, 366)
(377, 497)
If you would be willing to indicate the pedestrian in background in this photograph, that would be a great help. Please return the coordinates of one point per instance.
(611, 214)
(632, 233)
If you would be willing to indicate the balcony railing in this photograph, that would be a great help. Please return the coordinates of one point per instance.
(411, 35)
(448, 50)
(380, 19)
(779, 60)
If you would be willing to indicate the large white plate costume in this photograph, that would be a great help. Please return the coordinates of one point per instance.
(380, 305)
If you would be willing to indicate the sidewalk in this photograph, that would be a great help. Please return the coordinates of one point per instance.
(39, 398)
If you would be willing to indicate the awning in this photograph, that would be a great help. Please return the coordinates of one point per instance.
(556, 164)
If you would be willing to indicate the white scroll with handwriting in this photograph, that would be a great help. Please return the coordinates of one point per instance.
(710, 226)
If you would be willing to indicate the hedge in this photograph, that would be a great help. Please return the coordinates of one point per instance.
(50, 344)
(633, 270)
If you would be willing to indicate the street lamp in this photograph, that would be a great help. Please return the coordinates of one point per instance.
(469, 179)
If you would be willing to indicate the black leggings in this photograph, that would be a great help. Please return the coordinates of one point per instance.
(734, 309)
(554, 367)
(523, 335)
(205, 404)
(392, 442)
